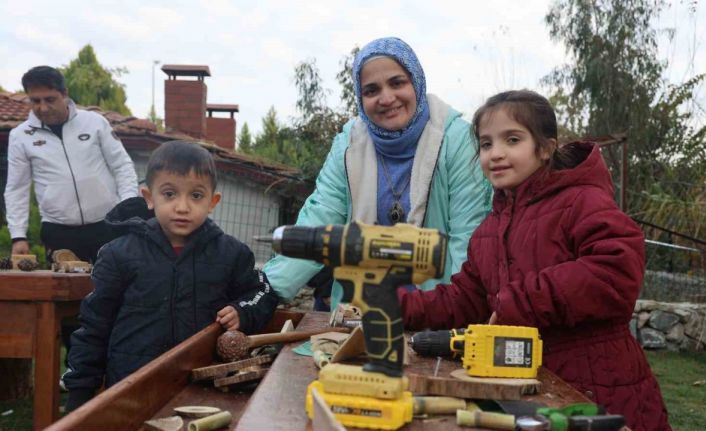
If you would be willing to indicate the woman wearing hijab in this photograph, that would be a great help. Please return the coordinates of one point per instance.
(407, 158)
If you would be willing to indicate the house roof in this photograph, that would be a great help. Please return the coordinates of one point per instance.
(138, 133)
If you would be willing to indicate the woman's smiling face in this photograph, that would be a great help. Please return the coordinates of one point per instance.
(387, 94)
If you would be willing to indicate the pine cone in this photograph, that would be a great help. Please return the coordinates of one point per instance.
(5, 263)
(27, 265)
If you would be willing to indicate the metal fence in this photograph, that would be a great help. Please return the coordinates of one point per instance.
(676, 266)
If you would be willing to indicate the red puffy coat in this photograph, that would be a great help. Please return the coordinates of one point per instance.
(557, 254)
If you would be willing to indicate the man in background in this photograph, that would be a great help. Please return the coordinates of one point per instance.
(79, 168)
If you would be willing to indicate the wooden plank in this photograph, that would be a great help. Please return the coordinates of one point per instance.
(161, 385)
(244, 376)
(17, 328)
(43, 286)
(284, 387)
(127, 404)
(211, 371)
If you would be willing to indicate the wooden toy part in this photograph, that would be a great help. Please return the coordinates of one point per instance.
(196, 411)
(438, 405)
(480, 419)
(16, 258)
(353, 346)
(63, 255)
(171, 423)
(208, 423)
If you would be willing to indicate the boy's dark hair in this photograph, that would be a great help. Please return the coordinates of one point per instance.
(44, 76)
(533, 111)
(181, 157)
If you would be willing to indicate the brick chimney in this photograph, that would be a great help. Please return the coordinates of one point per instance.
(185, 100)
(221, 130)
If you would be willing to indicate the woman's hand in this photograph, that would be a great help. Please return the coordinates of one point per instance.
(228, 318)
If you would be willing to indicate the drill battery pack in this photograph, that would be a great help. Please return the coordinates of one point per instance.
(364, 412)
(501, 351)
(363, 399)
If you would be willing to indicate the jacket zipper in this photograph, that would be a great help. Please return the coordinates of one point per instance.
(193, 288)
(73, 178)
(171, 307)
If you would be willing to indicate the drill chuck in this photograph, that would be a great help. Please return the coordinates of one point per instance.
(434, 343)
(304, 242)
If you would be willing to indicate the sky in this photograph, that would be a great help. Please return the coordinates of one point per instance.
(469, 50)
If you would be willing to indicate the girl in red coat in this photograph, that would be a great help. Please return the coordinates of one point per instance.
(555, 253)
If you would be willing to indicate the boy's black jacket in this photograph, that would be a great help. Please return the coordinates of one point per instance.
(146, 299)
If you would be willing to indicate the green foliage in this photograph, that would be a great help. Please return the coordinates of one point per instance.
(307, 140)
(613, 85)
(158, 122)
(1, 88)
(90, 84)
(269, 143)
(245, 139)
(345, 79)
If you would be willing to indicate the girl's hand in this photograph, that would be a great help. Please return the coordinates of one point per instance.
(228, 318)
(493, 319)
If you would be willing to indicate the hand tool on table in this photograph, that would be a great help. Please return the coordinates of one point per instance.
(370, 262)
(574, 417)
(487, 350)
(234, 345)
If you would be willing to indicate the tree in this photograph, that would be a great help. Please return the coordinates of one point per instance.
(90, 84)
(615, 84)
(345, 79)
(245, 139)
(307, 140)
(317, 124)
(268, 143)
(158, 122)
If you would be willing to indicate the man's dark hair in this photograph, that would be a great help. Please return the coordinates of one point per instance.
(44, 76)
(181, 157)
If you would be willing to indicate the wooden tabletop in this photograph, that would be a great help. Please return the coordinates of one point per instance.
(43, 285)
(279, 400)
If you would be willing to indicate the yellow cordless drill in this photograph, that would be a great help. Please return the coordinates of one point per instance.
(370, 262)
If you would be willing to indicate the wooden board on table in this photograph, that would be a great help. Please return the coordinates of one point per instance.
(472, 387)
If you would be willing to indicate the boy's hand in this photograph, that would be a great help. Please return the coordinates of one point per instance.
(228, 318)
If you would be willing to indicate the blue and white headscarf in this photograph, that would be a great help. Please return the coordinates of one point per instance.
(394, 143)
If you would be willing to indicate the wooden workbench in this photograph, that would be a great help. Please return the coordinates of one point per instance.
(32, 306)
(278, 402)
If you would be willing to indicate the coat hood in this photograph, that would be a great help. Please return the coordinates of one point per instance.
(590, 170)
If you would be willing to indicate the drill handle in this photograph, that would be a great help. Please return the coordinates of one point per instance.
(375, 292)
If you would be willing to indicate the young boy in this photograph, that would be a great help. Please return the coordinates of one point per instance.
(166, 278)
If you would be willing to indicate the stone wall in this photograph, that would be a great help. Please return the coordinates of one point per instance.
(672, 326)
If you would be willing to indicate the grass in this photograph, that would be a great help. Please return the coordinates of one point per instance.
(682, 377)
